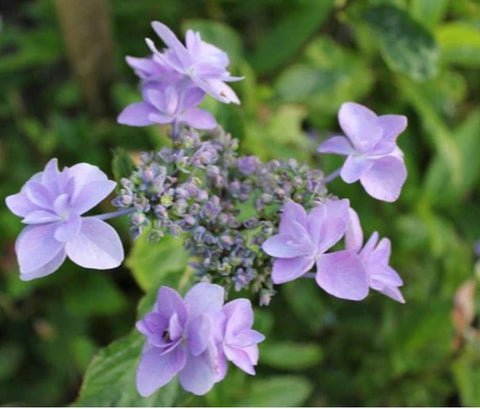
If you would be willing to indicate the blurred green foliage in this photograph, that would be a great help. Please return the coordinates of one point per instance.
(301, 60)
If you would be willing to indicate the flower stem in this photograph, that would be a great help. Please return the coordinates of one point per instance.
(175, 131)
(111, 215)
(332, 176)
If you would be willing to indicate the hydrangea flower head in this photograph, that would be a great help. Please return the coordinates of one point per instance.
(166, 103)
(51, 204)
(373, 156)
(375, 257)
(193, 338)
(204, 63)
(303, 240)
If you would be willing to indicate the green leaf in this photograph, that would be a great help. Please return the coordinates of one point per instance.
(405, 45)
(220, 35)
(441, 137)
(290, 355)
(460, 44)
(122, 164)
(466, 373)
(110, 378)
(157, 263)
(284, 40)
(277, 391)
(92, 293)
(438, 188)
(327, 76)
(428, 12)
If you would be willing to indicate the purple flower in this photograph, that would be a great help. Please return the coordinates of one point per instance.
(302, 242)
(374, 256)
(238, 341)
(180, 340)
(51, 204)
(165, 103)
(373, 156)
(204, 63)
(194, 338)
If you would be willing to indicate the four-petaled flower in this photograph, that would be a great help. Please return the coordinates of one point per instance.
(194, 338)
(373, 156)
(51, 204)
(302, 242)
(375, 257)
(204, 63)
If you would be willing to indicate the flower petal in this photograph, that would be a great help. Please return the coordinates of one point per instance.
(156, 370)
(198, 118)
(192, 97)
(199, 374)
(392, 126)
(97, 245)
(239, 314)
(199, 334)
(354, 167)
(171, 40)
(47, 268)
(283, 246)
(20, 205)
(217, 89)
(40, 217)
(204, 298)
(169, 303)
(91, 195)
(336, 144)
(39, 195)
(328, 222)
(292, 212)
(354, 233)
(288, 269)
(36, 246)
(342, 275)
(360, 124)
(384, 180)
(136, 114)
(68, 229)
(240, 358)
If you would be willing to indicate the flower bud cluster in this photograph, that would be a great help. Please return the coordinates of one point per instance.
(202, 190)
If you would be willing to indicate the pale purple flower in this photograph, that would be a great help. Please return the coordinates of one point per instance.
(180, 340)
(204, 63)
(373, 156)
(51, 204)
(302, 242)
(237, 342)
(166, 103)
(375, 257)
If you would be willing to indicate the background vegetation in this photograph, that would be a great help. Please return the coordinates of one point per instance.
(301, 60)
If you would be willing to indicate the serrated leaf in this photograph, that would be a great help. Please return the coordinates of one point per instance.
(460, 44)
(111, 376)
(290, 355)
(284, 40)
(405, 45)
(277, 391)
(157, 263)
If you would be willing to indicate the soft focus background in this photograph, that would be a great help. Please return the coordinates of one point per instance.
(63, 80)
